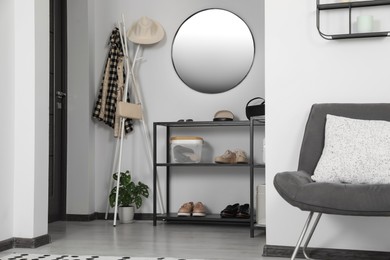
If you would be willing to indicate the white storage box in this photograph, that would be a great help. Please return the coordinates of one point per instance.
(186, 149)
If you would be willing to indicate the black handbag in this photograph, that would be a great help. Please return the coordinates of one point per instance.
(255, 110)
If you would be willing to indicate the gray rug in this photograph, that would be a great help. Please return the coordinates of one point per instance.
(81, 257)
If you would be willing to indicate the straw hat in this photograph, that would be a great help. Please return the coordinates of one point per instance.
(145, 31)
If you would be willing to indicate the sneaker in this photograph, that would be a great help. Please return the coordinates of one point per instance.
(241, 156)
(186, 209)
(199, 210)
(227, 157)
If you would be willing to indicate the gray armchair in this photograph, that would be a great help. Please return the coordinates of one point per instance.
(298, 189)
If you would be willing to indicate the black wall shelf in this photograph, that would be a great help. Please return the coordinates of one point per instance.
(349, 5)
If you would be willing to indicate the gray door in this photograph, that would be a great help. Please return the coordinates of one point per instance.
(57, 142)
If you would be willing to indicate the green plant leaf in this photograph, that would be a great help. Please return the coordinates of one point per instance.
(138, 202)
(129, 192)
(112, 197)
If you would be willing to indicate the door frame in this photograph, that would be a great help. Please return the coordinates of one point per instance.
(59, 30)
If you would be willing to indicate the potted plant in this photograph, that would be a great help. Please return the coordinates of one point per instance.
(130, 194)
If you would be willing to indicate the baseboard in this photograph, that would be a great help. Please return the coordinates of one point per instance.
(137, 216)
(110, 216)
(325, 253)
(31, 242)
(81, 217)
(6, 244)
(143, 216)
(18, 242)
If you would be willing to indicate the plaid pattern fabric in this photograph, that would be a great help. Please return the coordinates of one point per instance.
(108, 96)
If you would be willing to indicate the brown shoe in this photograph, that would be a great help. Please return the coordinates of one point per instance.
(227, 157)
(186, 209)
(199, 210)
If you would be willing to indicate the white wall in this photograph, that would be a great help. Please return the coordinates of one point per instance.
(81, 154)
(41, 140)
(301, 68)
(24, 109)
(31, 118)
(166, 98)
(7, 102)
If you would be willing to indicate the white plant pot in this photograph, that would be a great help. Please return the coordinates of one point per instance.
(126, 214)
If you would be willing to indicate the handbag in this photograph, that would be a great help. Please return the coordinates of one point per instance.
(255, 110)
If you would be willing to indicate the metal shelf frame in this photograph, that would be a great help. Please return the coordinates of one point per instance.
(209, 219)
(349, 6)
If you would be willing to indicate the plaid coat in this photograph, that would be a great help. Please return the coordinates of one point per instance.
(112, 87)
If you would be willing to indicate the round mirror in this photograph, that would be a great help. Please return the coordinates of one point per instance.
(213, 51)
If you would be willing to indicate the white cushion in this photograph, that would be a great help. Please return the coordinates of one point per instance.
(355, 151)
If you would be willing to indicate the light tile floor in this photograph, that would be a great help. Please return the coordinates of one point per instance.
(142, 239)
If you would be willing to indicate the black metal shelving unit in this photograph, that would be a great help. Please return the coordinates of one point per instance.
(209, 219)
(349, 5)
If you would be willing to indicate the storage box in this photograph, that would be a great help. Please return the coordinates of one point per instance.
(186, 149)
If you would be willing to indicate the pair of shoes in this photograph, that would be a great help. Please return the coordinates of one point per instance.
(230, 211)
(236, 211)
(187, 120)
(238, 156)
(188, 209)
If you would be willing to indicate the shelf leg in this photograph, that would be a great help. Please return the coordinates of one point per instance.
(154, 176)
(251, 181)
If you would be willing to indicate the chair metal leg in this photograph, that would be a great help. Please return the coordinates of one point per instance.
(301, 237)
(310, 235)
